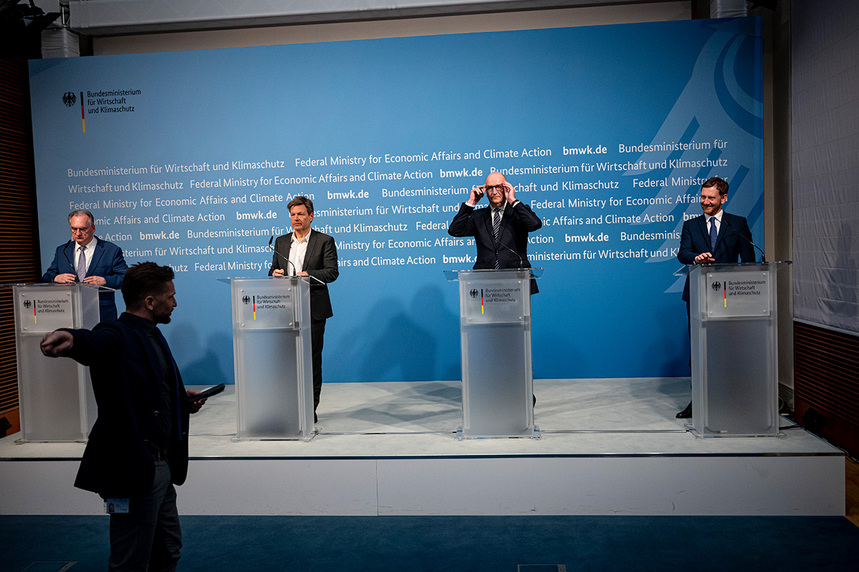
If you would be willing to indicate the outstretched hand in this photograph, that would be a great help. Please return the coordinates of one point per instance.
(56, 343)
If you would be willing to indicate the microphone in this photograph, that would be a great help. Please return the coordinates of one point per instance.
(489, 229)
(70, 260)
(66, 254)
(270, 240)
(294, 269)
(744, 237)
(521, 264)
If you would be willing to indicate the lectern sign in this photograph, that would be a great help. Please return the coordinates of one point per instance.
(45, 311)
(738, 294)
(496, 300)
(264, 308)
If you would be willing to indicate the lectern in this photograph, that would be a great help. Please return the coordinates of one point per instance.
(273, 369)
(733, 326)
(55, 395)
(495, 333)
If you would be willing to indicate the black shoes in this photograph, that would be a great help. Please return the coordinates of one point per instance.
(686, 413)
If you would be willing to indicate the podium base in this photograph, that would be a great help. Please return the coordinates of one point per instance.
(23, 441)
(527, 434)
(721, 434)
(305, 438)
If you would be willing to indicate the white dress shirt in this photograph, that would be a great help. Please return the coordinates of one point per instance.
(297, 252)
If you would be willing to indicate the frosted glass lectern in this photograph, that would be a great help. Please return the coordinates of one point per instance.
(55, 394)
(271, 345)
(495, 332)
(733, 321)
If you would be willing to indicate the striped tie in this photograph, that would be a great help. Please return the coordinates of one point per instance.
(81, 271)
(496, 228)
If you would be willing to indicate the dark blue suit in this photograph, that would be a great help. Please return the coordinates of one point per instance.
(512, 248)
(127, 382)
(730, 245)
(107, 262)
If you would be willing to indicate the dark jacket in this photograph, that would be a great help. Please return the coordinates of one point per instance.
(512, 248)
(320, 261)
(733, 244)
(107, 262)
(118, 460)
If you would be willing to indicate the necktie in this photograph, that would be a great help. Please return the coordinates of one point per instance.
(496, 227)
(81, 271)
(713, 233)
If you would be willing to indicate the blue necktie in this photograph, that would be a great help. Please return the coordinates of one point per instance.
(713, 233)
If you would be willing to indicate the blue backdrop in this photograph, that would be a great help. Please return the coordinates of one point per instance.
(189, 159)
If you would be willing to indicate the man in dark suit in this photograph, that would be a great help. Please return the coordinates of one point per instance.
(500, 231)
(304, 252)
(715, 236)
(87, 259)
(138, 448)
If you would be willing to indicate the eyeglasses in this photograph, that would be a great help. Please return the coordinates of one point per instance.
(489, 188)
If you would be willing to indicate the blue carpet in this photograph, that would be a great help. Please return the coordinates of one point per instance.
(238, 543)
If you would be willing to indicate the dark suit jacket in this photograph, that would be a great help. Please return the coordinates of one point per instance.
(512, 250)
(320, 261)
(125, 379)
(730, 245)
(107, 262)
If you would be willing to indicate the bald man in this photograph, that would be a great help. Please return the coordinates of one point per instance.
(512, 218)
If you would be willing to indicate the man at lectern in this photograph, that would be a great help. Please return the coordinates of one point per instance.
(138, 448)
(305, 252)
(715, 236)
(88, 259)
(500, 231)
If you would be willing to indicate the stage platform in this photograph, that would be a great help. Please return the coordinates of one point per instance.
(606, 446)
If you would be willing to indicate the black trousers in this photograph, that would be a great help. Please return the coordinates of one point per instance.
(149, 536)
(317, 339)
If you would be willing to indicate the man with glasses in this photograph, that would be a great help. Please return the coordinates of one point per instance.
(87, 259)
(501, 230)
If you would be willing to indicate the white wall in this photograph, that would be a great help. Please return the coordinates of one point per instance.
(298, 34)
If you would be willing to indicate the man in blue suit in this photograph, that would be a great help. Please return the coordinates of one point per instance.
(715, 236)
(508, 247)
(87, 259)
(138, 447)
